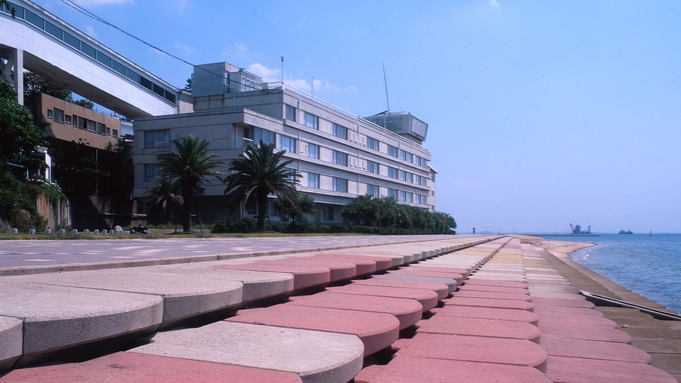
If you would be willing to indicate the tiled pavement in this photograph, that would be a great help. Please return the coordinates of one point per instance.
(460, 309)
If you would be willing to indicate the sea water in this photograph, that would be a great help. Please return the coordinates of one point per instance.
(648, 265)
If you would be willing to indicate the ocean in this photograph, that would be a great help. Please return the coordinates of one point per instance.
(649, 266)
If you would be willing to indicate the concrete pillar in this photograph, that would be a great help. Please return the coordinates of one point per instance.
(13, 71)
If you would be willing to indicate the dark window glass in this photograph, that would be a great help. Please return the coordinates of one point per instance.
(34, 19)
(157, 89)
(118, 67)
(18, 11)
(88, 50)
(104, 59)
(53, 30)
(145, 82)
(170, 97)
(72, 41)
(132, 75)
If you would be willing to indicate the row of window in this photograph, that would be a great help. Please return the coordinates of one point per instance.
(57, 115)
(312, 121)
(272, 210)
(88, 50)
(407, 177)
(341, 185)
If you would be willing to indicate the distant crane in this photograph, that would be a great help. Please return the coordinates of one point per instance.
(578, 229)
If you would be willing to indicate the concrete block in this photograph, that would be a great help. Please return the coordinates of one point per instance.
(480, 327)
(124, 367)
(382, 263)
(410, 369)
(427, 298)
(491, 295)
(376, 330)
(315, 356)
(183, 296)
(303, 276)
(576, 348)
(56, 316)
(440, 289)
(451, 283)
(10, 340)
(488, 313)
(579, 370)
(338, 271)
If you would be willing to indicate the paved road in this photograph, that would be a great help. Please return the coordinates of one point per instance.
(22, 254)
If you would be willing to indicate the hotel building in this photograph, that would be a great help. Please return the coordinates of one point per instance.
(339, 155)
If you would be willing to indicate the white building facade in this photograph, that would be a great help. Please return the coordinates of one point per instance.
(339, 155)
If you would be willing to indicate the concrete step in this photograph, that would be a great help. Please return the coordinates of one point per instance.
(441, 289)
(427, 298)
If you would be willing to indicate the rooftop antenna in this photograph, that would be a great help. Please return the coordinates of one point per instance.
(385, 80)
(282, 70)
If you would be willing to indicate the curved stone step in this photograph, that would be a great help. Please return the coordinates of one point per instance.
(56, 317)
(479, 327)
(427, 298)
(488, 313)
(441, 289)
(338, 270)
(303, 276)
(11, 341)
(315, 356)
(376, 330)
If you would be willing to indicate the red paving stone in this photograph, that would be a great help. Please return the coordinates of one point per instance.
(574, 330)
(455, 270)
(491, 295)
(474, 349)
(577, 320)
(408, 271)
(488, 313)
(427, 298)
(123, 367)
(407, 311)
(492, 282)
(565, 311)
(376, 330)
(494, 289)
(589, 349)
(578, 370)
(492, 303)
(364, 266)
(479, 327)
(451, 283)
(408, 369)
(382, 263)
(579, 303)
(441, 289)
(339, 271)
(303, 276)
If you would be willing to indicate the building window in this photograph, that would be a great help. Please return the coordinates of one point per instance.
(373, 190)
(392, 193)
(287, 143)
(151, 172)
(433, 177)
(313, 180)
(372, 143)
(392, 151)
(311, 121)
(403, 196)
(115, 133)
(409, 178)
(91, 126)
(424, 199)
(340, 158)
(327, 213)
(372, 167)
(313, 151)
(67, 119)
(424, 162)
(156, 139)
(406, 156)
(49, 113)
(340, 185)
(403, 175)
(108, 131)
(340, 131)
(272, 210)
(290, 113)
(101, 128)
(424, 181)
(74, 120)
(409, 197)
(257, 135)
(392, 172)
(252, 207)
(58, 115)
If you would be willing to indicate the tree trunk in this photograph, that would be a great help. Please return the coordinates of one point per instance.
(186, 216)
(262, 209)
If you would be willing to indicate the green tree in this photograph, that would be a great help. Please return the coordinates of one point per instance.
(363, 210)
(295, 212)
(258, 172)
(35, 84)
(20, 136)
(188, 165)
(164, 194)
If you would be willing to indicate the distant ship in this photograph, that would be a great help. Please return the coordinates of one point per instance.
(578, 229)
(626, 232)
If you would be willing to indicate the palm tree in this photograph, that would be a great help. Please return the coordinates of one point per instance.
(258, 172)
(187, 166)
(164, 194)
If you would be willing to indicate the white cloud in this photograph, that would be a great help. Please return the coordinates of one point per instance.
(494, 3)
(468, 184)
(274, 75)
(185, 48)
(238, 50)
(86, 3)
(240, 47)
(90, 31)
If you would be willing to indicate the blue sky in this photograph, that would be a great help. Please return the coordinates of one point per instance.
(540, 113)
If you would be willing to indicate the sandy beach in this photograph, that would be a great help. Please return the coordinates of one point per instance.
(561, 249)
